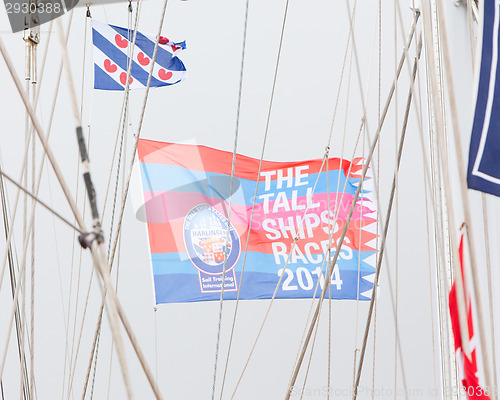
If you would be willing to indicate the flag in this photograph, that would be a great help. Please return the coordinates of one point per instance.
(483, 172)
(111, 58)
(467, 367)
(193, 231)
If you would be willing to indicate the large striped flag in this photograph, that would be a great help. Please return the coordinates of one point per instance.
(467, 366)
(111, 57)
(187, 191)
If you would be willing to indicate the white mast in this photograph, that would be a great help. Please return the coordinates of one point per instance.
(441, 231)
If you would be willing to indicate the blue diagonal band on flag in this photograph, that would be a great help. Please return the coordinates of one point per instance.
(163, 57)
(112, 57)
(119, 58)
(103, 81)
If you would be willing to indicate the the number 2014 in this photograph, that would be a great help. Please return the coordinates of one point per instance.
(305, 279)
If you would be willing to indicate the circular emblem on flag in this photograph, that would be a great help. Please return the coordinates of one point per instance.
(207, 241)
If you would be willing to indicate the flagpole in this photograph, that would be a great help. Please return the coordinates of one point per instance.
(444, 253)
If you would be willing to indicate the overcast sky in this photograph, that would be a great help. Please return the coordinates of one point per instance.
(179, 339)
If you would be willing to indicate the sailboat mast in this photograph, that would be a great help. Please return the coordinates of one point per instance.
(443, 262)
(441, 231)
(31, 38)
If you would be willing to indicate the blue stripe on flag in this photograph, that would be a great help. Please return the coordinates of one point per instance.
(103, 81)
(178, 288)
(163, 57)
(179, 263)
(119, 58)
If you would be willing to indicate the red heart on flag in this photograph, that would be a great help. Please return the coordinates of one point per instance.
(164, 75)
(109, 66)
(123, 78)
(175, 48)
(121, 42)
(143, 60)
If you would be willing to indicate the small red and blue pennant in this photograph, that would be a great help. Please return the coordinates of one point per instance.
(112, 46)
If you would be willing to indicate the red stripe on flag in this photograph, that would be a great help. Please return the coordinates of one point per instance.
(167, 237)
(202, 158)
(467, 368)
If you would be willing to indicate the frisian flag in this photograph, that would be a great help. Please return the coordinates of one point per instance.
(467, 366)
(186, 194)
(483, 171)
(111, 48)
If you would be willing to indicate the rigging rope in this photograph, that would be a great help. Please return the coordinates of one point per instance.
(60, 279)
(118, 262)
(312, 304)
(490, 290)
(396, 208)
(418, 110)
(43, 139)
(122, 316)
(427, 225)
(327, 253)
(73, 370)
(251, 216)
(466, 205)
(121, 128)
(343, 192)
(96, 246)
(24, 173)
(379, 95)
(112, 344)
(3, 197)
(365, 130)
(27, 138)
(23, 167)
(280, 279)
(70, 295)
(115, 197)
(124, 110)
(32, 277)
(329, 283)
(33, 129)
(405, 56)
(37, 200)
(80, 250)
(262, 155)
(240, 87)
(388, 215)
(356, 196)
(310, 358)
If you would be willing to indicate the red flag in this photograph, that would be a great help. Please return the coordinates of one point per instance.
(467, 367)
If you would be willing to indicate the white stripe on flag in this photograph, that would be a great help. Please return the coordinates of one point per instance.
(160, 73)
(100, 59)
